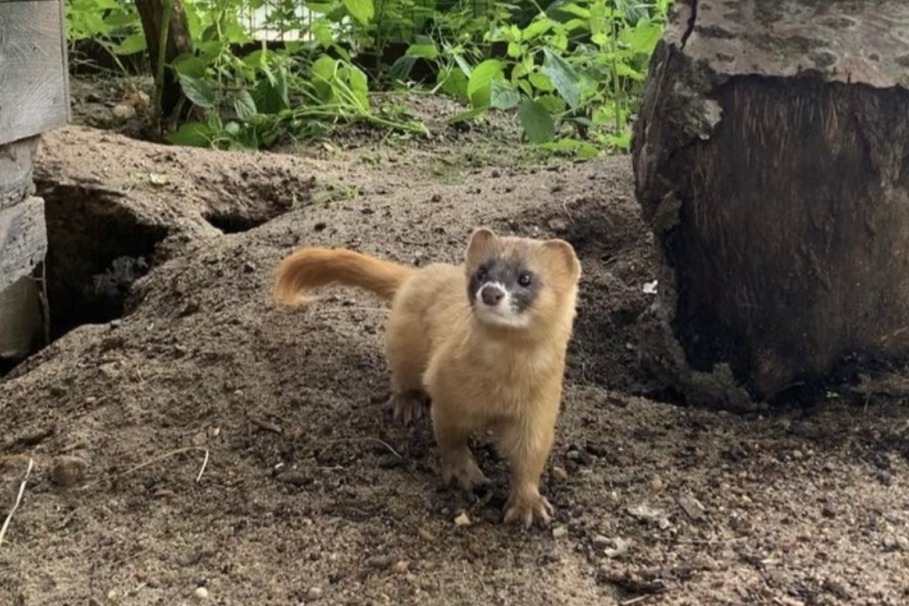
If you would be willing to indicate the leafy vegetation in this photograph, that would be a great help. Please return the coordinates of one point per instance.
(571, 72)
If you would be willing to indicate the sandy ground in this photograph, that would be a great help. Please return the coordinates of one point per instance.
(208, 443)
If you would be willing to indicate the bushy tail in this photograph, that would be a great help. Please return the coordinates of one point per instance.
(309, 268)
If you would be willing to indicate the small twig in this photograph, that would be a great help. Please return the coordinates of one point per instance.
(157, 459)
(636, 600)
(266, 425)
(204, 464)
(28, 472)
(364, 439)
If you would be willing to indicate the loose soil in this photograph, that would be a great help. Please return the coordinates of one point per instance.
(208, 447)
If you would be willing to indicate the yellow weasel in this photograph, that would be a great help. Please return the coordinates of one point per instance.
(481, 344)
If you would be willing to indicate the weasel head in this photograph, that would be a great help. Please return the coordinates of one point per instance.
(521, 283)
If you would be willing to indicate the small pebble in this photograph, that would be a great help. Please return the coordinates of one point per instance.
(656, 483)
(401, 567)
(620, 548)
(383, 561)
(201, 593)
(559, 474)
(559, 532)
(68, 471)
(462, 519)
(426, 535)
(313, 594)
(902, 543)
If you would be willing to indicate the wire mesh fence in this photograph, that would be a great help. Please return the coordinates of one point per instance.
(397, 20)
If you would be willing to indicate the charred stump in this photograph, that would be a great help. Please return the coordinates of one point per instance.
(177, 42)
(771, 161)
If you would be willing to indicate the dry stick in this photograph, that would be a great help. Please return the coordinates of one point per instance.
(364, 439)
(159, 458)
(204, 464)
(28, 472)
(636, 600)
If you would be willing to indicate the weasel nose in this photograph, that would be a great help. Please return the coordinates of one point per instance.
(491, 295)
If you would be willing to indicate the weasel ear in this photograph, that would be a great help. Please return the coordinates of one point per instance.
(481, 241)
(563, 253)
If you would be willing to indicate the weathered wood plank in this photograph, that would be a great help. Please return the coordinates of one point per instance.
(23, 240)
(34, 94)
(21, 318)
(16, 165)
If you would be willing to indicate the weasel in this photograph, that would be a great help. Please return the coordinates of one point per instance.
(481, 344)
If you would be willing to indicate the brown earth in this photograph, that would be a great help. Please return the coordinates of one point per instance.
(246, 450)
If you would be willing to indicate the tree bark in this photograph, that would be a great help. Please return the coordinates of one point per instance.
(771, 160)
(178, 42)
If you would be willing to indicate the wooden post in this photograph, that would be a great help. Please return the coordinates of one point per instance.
(34, 97)
(771, 161)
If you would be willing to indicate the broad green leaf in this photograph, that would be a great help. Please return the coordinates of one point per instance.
(515, 50)
(536, 121)
(232, 128)
(462, 63)
(541, 82)
(537, 28)
(323, 72)
(321, 31)
(192, 134)
(197, 90)
(503, 95)
(643, 37)
(401, 68)
(189, 65)
(577, 11)
(426, 51)
(359, 86)
(244, 105)
(554, 105)
(361, 10)
(453, 82)
(268, 98)
(131, 44)
(563, 77)
(480, 84)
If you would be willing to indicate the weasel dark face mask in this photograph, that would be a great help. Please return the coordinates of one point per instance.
(501, 290)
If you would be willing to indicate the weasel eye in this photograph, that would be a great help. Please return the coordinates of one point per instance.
(481, 274)
(524, 280)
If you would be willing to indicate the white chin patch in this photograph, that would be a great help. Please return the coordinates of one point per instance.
(502, 313)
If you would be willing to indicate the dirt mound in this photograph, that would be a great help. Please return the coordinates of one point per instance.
(246, 450)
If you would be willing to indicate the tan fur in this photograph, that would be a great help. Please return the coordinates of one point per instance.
(313, 267)
(477, 376)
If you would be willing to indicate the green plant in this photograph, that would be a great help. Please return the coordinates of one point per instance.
(571, 72)
(254, 100)
(112, 24)
(577, 64)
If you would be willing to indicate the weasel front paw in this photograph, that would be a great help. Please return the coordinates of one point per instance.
(408, 407)
(460, 466)
(528, 508)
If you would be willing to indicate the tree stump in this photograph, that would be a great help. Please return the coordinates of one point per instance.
(771, 161)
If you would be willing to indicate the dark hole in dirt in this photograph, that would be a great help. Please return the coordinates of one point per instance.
(96, 250)
(233, 223)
